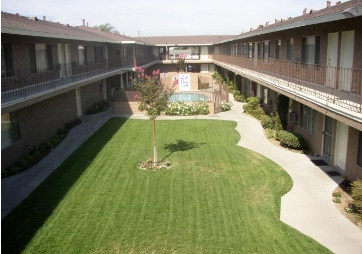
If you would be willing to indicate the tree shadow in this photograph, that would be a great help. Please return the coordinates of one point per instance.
(180, 146)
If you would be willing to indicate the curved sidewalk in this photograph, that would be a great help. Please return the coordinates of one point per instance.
(308, 207)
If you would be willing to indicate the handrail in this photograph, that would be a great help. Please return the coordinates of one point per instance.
(20, 83)
(338, 85)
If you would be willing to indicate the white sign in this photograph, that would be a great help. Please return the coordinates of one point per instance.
(184, 82)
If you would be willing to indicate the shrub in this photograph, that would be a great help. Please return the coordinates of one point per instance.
(240, 97)
(252, 107)
(270, 133)
(98, 107)
(356, 194)
(39, 151)
(180, 108)
(267, 122)
(225, 106)
(290, 140)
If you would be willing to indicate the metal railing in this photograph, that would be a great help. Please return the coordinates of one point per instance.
(20, 83)
(337, 85)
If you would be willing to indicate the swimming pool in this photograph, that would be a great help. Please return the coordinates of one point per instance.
(191, 97)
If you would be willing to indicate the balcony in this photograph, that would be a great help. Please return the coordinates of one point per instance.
(336, 88)
(22, 83)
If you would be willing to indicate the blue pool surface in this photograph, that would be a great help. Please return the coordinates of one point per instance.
(191, 97)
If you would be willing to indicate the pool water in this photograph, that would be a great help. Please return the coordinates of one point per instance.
(191, 97)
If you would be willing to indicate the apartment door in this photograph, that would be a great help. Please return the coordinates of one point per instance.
(68, 67)
(346, 60)
(341, 145)
(332, 49)
(64, 60)
(327, 138)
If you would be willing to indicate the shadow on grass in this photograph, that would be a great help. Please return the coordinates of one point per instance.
(21, 225)
(180, 146)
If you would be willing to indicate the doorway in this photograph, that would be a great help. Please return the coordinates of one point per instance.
(64, 60)
(327, 138)
(346, 60)
(332, 50)
(341, 145)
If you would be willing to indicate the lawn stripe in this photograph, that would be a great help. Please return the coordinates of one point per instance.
(216, 198)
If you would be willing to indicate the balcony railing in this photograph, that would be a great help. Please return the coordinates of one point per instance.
(337, 85)
(24, 82)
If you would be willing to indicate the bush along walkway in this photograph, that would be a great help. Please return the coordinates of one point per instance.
(15, 188)
(308, 207)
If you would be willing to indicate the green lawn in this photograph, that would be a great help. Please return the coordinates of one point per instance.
(217, 197)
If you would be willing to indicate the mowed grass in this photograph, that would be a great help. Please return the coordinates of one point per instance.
(217, 197)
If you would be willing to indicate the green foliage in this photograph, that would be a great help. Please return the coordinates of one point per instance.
(290, 140)
(356, 194)
(270, 133)
(98, 107)
(217, 77)
(267, 122)
(225, 106)
(240, 97)
(39, 151)
(181, 108)
(181, 64)
(154, 95)
(252, 107)
(283, 110)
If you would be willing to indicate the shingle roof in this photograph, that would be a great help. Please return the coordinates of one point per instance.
(311, 14)
(15, 21)
(186, 40)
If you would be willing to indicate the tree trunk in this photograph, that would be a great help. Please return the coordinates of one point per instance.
(154, 143)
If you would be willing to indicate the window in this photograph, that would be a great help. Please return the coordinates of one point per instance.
(82, 54)
(278, 44)
(40, 57)
(311, 49)
(98, 52)
(10, 132)
(7, 69)
(307, 119)
(290, 43)
(359, 153)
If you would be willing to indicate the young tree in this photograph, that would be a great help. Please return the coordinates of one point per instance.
(153, 99)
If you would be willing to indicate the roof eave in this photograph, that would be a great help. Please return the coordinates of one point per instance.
(17, 31)
(318, 20)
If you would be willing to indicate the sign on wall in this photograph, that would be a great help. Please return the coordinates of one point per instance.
(184, 82)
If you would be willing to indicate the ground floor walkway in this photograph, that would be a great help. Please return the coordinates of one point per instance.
(308, 207)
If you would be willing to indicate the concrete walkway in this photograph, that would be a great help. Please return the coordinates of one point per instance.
(308, 207)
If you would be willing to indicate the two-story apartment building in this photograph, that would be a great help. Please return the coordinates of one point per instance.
(51, 74)
(314, 60)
